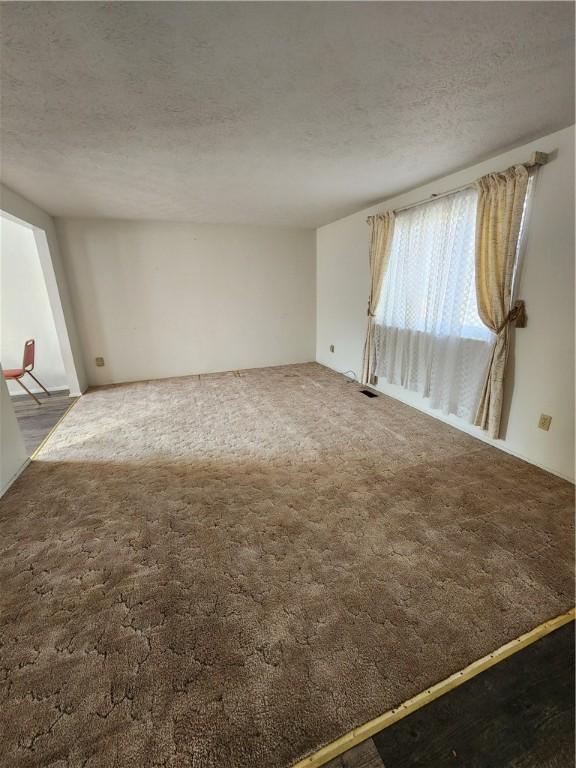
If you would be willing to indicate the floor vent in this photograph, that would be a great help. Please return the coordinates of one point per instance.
(368, 393)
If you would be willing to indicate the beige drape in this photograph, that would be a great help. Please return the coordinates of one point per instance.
(501, 198)
(381, 231)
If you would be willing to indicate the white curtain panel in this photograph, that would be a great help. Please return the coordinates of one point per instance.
(428, 334)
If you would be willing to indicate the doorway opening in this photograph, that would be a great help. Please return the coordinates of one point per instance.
(33, 343)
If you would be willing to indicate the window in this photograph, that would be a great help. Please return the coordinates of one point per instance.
(429, 285)
(428, 334)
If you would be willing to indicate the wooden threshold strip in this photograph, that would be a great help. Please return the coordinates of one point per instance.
(54, 428)
(365, 731)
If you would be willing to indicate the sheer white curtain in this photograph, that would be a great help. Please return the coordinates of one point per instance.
(428, 334)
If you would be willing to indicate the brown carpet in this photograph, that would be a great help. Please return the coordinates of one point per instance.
(231, 571)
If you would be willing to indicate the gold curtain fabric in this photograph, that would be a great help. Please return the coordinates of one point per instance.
(501, 198)
(381, 232)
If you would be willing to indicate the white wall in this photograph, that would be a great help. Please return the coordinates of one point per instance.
(13, 455)
(22, 210)
(25, 311)
(541, 371)
(159, 299)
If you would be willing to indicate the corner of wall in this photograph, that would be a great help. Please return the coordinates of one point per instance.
(13, 454)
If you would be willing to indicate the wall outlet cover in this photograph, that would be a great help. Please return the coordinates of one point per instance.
(331, 347)
(544, 421)
(99, 362)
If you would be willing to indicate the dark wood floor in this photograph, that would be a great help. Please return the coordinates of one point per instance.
(365, 755)
(518, 714)
(36, 421)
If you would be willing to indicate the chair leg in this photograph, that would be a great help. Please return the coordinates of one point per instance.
(28, 391)
(38, 382)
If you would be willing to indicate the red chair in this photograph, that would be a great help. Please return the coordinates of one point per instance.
(16, 374)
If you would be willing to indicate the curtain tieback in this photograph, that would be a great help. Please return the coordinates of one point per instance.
(517, 315)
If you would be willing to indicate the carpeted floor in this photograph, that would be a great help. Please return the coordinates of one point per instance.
(230, 571)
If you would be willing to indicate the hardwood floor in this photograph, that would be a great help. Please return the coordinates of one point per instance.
(518, 714)
(36, 421)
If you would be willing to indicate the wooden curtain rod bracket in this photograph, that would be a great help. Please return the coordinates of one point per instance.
(539, 158)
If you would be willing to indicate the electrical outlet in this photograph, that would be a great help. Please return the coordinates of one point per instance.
(544, 422)
(99, 362)
(331, 347)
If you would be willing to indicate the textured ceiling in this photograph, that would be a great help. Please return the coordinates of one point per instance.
(269, 113)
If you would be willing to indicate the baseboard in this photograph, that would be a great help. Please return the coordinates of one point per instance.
(196, 374)
(14, 477)
(467, 429)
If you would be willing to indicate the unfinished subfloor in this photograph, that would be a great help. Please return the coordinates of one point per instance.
(231, 571)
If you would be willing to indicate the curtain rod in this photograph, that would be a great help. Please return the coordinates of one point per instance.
(537, 159)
